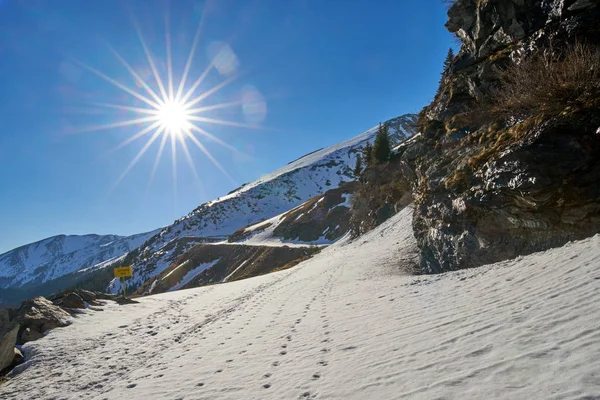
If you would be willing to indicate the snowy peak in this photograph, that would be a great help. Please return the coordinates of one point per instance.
(56, 256)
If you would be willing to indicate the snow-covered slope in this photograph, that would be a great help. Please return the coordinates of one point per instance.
(346, 324)
(262, 199)
(320, 221)
(56, 256)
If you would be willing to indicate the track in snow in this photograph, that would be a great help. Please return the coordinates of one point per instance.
(343, 325)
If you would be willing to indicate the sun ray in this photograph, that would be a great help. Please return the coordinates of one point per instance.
(174, 164)
(137, 158)
(117, 84)
(169, 61)
(135, 75)
(202, 148)
(197, 83)
(163, 141)
(188, 63)
(125, 108)
(214, 107)
(188, 157)
(159, 81)
(209, 135)
(210, 92)
(222, 122)
(135, 137)
(115, 125)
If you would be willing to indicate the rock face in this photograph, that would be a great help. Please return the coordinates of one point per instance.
(40, 315)
(71, 300)
(539, 190)
(8, 339)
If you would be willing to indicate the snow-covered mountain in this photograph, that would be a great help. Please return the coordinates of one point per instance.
(262, 199)
(36, 263)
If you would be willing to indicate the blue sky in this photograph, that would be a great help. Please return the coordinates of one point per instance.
(309, 73)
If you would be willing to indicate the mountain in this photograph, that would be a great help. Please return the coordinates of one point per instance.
(32, 265)
(265, 198)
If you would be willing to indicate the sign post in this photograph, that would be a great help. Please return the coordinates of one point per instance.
(123, 272)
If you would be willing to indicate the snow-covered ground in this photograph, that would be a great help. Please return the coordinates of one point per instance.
(347, 324)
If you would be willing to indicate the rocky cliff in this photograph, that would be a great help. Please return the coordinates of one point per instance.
(490, 185)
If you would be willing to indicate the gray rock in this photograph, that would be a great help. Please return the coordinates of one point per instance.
(40, 315)
(8, 340)
(70, 300)
(29, 335)
(539, 192)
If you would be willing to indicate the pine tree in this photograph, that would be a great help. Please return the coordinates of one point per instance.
(358, 165)
(448, 60)
(381, 148)
(368, 154)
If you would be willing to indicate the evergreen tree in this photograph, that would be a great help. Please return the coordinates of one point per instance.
(358, 165)
(368, 154)
(448, 60)
(381, 148)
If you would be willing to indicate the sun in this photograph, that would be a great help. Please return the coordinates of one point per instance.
(174, 118)
(172, 114)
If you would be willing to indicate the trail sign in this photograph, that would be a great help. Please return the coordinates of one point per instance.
(122, 272)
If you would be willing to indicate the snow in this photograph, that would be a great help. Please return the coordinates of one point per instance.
(191, 274)
(346, 324)
(234, 271)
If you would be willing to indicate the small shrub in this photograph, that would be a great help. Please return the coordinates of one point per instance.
(549, 83)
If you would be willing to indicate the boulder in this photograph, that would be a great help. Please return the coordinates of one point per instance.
(86, 295)
(8, 340)
(40, 315)
(104, 296)
(29, 335)
(70, 300)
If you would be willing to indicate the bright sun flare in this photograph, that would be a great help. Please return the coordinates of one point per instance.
(173, 111)
(173, 118)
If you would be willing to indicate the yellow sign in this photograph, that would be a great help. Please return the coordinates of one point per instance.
(123, 272)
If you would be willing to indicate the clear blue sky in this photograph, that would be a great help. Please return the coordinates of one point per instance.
(311, 72)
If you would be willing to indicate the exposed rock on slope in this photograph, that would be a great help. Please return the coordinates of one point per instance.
(214, 263)
(321, 220)
(491, 190)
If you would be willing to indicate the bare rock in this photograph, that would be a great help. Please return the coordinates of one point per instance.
(40, 315)
(29, 335)
(8, 340)
(70, 300)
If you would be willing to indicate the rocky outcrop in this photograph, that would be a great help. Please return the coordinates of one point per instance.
(208, 264)
(40, 315)
(492, 190)
(8, 339)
